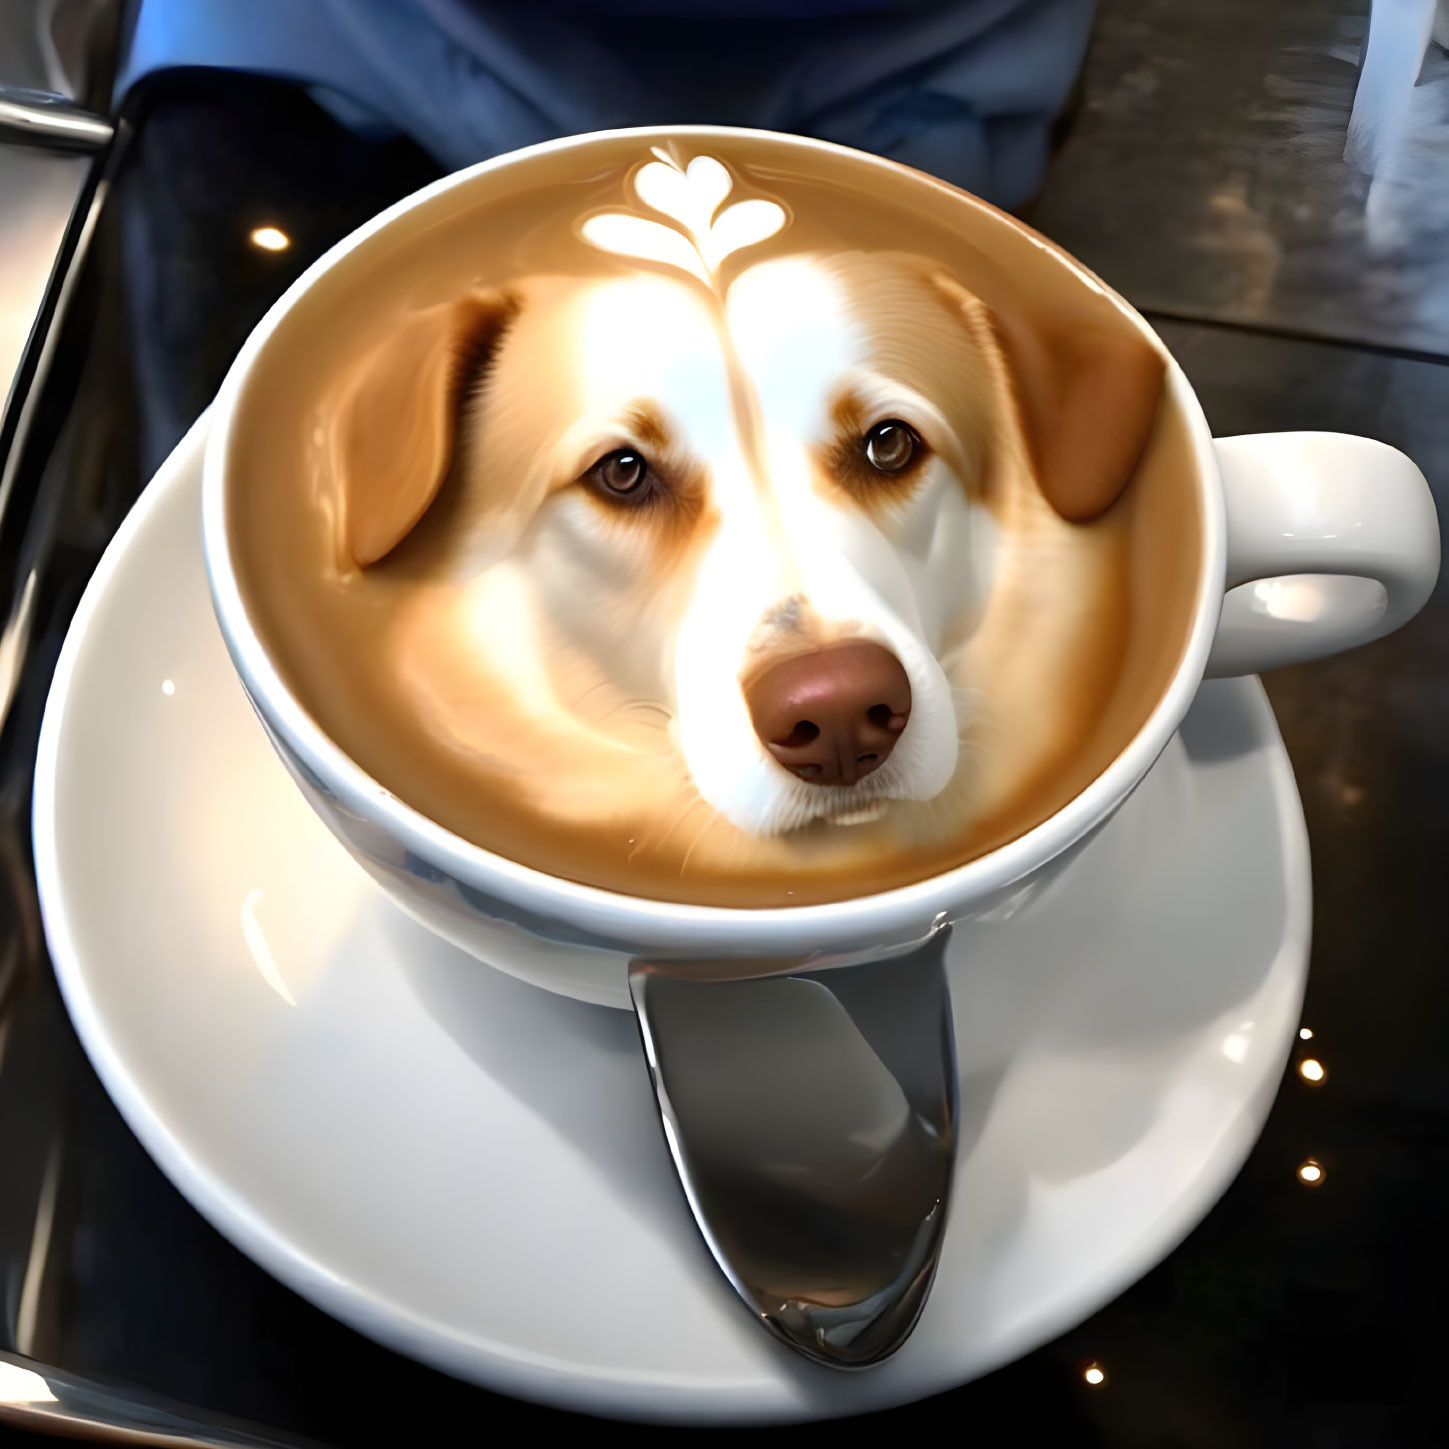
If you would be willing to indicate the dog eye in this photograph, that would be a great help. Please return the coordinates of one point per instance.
(621, 473)
(890, 446)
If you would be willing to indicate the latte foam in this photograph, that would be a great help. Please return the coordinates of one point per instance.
(529, 491)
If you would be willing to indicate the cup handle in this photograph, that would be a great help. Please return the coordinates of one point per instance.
(1332, 541)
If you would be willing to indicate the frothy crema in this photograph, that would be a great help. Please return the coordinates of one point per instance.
(694, 525)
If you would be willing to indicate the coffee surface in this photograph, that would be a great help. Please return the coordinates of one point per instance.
(553, 666)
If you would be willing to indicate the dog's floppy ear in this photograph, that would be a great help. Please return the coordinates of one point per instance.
(396, 431)
(1086, 396)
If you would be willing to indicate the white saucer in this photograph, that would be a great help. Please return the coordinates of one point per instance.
(469, 1169)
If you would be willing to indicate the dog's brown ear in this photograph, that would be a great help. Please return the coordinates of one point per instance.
(1086, 396)
(396, 432)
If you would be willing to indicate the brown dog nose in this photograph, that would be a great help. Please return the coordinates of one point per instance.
(833, 716)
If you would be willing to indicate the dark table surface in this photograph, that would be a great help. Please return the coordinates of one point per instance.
(1291, 1316)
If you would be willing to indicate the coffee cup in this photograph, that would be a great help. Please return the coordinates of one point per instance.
(1310, 543)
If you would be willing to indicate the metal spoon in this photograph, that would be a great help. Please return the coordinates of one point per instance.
(811, 1116)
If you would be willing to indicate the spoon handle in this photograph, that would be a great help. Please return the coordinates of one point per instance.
(811, 1117)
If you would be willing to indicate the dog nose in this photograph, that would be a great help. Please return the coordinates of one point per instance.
(832, 716)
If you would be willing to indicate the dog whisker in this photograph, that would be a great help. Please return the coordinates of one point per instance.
(657, 841)
(710, 821)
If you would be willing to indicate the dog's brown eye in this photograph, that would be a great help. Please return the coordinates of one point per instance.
(620, 473)
(890, 446)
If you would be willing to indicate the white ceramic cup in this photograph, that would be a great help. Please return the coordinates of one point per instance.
(1312, 543)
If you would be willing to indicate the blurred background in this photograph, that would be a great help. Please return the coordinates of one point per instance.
(1267, 180)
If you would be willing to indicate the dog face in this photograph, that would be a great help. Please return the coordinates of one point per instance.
(779, 517)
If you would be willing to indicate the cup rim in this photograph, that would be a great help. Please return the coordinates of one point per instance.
(643, 921)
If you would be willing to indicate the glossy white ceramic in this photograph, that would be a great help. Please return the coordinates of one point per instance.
(1305, 505)
(471, 1170)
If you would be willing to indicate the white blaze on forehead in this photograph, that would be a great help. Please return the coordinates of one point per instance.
(652, 339)
(796, 338)
(796, 341)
